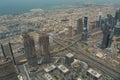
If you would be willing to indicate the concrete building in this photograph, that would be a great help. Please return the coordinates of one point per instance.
(93, 75)
(44, 48)
(49, 68)
(79, 66)
(64, 70)
(79, 26)
(70, 31)
(48, 77)
(7, 50)
(8, 70)
(29, 47)
(69, 58)
(117, 16)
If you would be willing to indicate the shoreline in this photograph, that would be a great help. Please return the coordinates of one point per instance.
(59, 8)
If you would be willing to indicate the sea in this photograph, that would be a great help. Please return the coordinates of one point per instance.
(21, 6)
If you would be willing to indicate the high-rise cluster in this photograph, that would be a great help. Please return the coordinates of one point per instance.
(110, 28)
(82, 28)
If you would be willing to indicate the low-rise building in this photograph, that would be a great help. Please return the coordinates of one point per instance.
(48, 77)
(63, 69)
(50, 68)
(93, 75)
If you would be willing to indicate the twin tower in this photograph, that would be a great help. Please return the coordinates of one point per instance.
(30, 52)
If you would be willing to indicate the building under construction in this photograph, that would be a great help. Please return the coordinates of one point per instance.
(44, 48)
(29, 47)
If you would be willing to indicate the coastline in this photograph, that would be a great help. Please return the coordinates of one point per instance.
(76, 5)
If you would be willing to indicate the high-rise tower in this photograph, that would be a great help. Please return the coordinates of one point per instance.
(70, 32)
(117, 16)
(79, 26)
(106, 37)
(29, 47)
(44, 48)
(100, 19)
(86, 22)
(85, 29)
(107, 28)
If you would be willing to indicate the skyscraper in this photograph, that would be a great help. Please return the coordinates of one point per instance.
(70, 32)
(85, 29)
(29, 47)
(79, 26)
(44, 48)
(7, 51)
(117, 15)
(86, 22)
(106, 37)
(84, 34)
(100, 19)
(107, 28)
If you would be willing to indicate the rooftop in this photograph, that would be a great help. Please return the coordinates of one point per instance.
(48, 77)
(99, 54)
(69, 55)
(76, 63)
(50, 68)
(63, 68)
(94, 73)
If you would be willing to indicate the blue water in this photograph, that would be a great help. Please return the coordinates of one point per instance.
(21, 6)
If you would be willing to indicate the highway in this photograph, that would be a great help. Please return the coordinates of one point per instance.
(81, 54)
